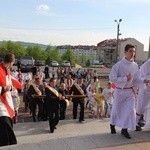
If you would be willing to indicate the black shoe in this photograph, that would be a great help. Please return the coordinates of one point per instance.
(138, 128)
(74, 117)
(55, 127)
(51, 131)
(34, 119)
(113, 130)
(80, 121)
(39, 119)
(125, 133)
(83, 120)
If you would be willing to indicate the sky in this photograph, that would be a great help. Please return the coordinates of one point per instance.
(74, 22)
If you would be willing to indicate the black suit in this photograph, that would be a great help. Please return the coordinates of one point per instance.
(52, 102)
(36, 101)
(46, 71)
(63, 104)
(77, 101)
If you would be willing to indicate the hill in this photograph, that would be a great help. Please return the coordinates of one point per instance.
(26, 44)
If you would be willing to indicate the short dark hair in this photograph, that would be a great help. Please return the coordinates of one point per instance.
(36, 79)
(101, 89)
(52, 79)
(129, 46)
(9, 58)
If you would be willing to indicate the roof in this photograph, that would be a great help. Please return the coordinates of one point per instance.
(111, 42)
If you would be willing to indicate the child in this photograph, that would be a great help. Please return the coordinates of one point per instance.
(16, 102)
(91, 101)
(108, 94)
(100, 103)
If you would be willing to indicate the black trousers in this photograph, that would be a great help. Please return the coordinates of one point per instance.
(38, 102)
(7, 136)
(63, 107)
(53, 119)
(75, 107)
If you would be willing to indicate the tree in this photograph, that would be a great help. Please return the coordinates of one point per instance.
(84, 58)
(69, 55)
(52, 54)
(93, 56)
(88, 62)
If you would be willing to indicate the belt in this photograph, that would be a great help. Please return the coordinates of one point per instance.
(124, 88)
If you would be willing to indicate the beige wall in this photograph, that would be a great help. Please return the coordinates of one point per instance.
(139, 51)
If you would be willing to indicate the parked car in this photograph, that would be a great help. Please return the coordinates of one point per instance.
(54, 64)
(26, 63)
(65, 64)
(15, 63)
(39, 63)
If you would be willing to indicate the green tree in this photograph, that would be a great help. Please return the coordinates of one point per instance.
(93, 56)
(3, 49)
(83, 58)
(52, 54)
(69, 55)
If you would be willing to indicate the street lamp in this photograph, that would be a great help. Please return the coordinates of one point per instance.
(118, 29)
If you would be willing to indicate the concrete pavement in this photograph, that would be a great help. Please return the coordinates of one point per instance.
(72, 135)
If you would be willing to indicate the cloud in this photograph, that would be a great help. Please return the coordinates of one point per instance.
(43, 9)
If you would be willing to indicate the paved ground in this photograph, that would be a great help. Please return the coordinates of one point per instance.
(72, 135)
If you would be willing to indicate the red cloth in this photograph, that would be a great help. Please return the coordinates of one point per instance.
(16, 83)
(113, 85)
(3, 96)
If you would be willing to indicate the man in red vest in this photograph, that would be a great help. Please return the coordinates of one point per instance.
(7, 136)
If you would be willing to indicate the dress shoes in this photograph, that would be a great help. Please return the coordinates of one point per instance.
(125, 133)
(34, 119)
(80, 121)
(51, 131)
(138, 128)
(55, 127)
(112, 128)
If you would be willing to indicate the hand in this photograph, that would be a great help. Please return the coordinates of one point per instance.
(63, 97)
(129, 77)
(146, 81)
(7, 88)
(33, 95)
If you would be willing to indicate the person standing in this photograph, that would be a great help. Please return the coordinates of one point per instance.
(63, 102)
(46, 71)
(18, 65)
(69, 82)
(100, 103)
(95, 75)
(78, 89)
(52, 101)
(143, 97)
(124, 74)
(108, 94)
(7, 136)
(35, 90)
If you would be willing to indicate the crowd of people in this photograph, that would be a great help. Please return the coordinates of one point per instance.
(48, 94)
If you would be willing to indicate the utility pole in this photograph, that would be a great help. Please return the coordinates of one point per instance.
(118, 34)
(149, 49)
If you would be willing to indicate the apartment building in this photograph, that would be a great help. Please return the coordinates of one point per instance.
(79, 50)
(106, 50)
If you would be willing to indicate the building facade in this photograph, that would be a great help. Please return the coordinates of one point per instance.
(106, 50)
(79, 51)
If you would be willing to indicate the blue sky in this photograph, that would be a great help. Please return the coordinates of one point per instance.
(74, 22)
